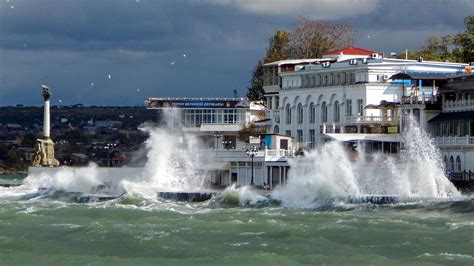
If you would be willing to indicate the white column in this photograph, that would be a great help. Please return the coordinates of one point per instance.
(279, 174)
(46, 122)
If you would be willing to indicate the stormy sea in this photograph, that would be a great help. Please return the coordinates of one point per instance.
(309, 220)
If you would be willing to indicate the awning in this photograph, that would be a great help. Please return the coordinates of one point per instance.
(469, 115)
(345, 137)
(420, 76)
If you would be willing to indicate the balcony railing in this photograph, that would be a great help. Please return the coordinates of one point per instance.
(458, 105)
(419, 99)
(279, 153)
(454, 141)
(371, 120)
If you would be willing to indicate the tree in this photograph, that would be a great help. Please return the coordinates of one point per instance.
(438, 49)
(465, 41)
(255, 90)
(277, 47)
(277, 50)
(454, 48)
(310, 39)
(313, 38)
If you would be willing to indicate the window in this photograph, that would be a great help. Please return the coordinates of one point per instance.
(333, 79)
(269, 103)
(338, 78)
(276, 130)
(325, 80)
(313, 82)
(277, 102)
(458, 164)
(300, 114)
(349, 107)
(312, 138)
(352, 81)
(318, 80)
(360, 107)
(288, 133)
(312, 113)
(288, 113)
(324, 113)
(299, 136)
(336, 112)
(451, 164)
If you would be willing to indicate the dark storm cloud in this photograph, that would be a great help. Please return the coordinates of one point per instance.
(179, 48)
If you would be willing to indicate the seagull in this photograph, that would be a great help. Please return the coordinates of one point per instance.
(110, 76)
(138, 90)
(92, 84)
(60, 101)
(12, 7)
(184, 55)
(172, 63)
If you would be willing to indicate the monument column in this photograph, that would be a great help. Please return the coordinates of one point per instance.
(44, 155)
(46, 120)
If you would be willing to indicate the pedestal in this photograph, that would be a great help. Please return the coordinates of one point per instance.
(44, 155)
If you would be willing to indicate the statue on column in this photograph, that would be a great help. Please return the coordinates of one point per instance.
(44, 154)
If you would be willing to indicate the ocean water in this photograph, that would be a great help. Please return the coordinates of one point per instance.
(309, 220)
(133, 230)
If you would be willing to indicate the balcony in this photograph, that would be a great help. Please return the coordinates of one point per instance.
(458, 105)
(454, 141)
(371, 120)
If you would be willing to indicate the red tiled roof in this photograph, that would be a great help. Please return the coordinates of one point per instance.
(352, 51)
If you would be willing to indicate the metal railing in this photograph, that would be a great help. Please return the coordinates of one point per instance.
(371, 119)
(454, 141)
(279, 153)
(458, 105)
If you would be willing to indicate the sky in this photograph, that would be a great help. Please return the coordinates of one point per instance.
(120, 52)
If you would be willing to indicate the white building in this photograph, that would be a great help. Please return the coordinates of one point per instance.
(453, 129)
(308, 98)
(232, 155)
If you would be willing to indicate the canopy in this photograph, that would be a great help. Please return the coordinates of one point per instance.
(420, 76)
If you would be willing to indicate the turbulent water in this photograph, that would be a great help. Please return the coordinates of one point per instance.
(308, 221)
(236, 228)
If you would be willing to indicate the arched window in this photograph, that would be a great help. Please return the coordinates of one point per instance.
(312, 113)
(458, 164)
(299, 113)
(451, 164)
(324, 113)
(288, 113)
(276, 130)
(336, 112)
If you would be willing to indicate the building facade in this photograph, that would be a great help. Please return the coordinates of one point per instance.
(309, 98)
(453, 129)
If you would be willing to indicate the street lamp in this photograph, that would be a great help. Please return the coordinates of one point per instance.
(217, 135)
(251, 153)
(109, 147)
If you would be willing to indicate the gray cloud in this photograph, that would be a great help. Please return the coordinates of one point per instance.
(70, 44)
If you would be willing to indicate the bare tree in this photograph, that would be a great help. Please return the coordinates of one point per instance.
(313, 38)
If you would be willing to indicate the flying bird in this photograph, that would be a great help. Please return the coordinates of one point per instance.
(110, 76)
